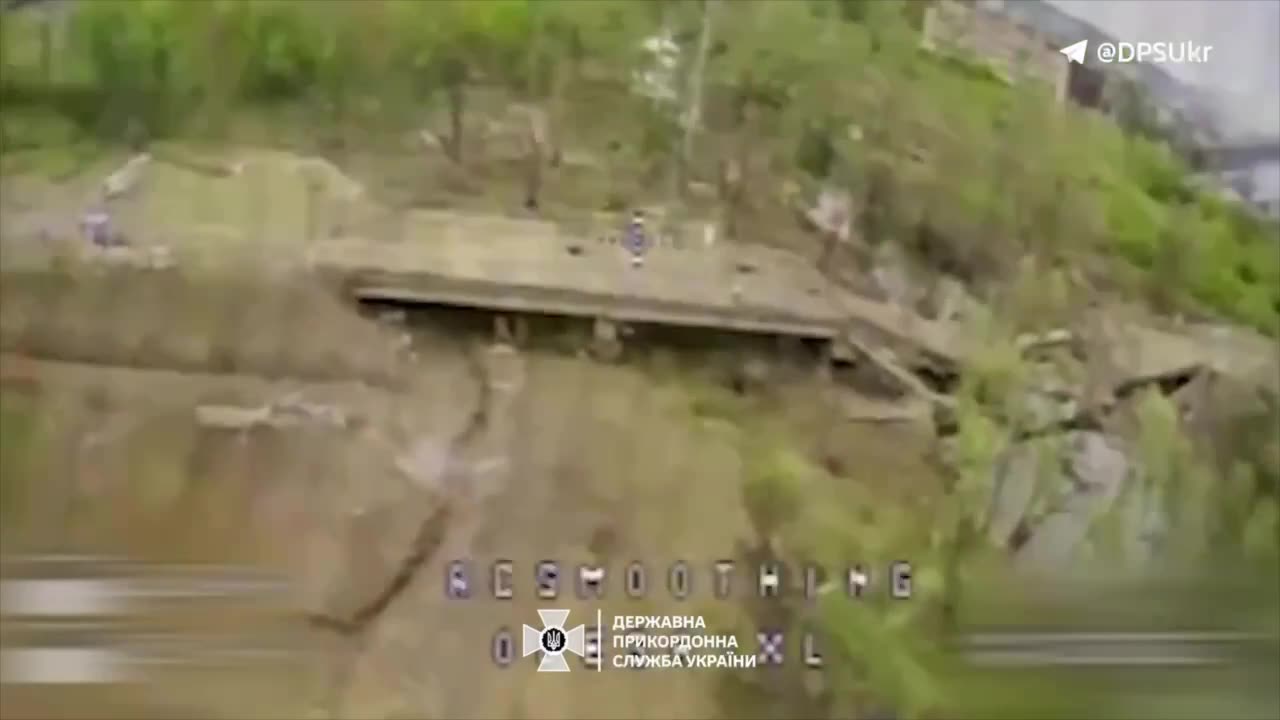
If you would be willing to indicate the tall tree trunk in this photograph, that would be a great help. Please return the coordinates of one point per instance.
(563, 73)
(734, 178)
(692, 115)
(533, 180)
(535, 153)
(830, 240)
(457, 107)
(555, 108)
(535, 95)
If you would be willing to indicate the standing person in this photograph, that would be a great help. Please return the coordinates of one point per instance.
(636, 240)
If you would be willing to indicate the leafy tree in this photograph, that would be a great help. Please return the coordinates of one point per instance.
(783, 67)
(461, 46)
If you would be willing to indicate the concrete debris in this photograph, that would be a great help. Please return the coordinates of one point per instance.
(1016, 478)
(949, 301)
(832, 212)
(430, 141)
(1095, 473)
(228, 417)
(292, 410)
(505, 368)
(908, 382)
(197, 162)
(858, 409)
(892, 278)
(126, 178)
(425, 463)
(1135, 352)
(1046, 409)
(1030, 342)
(606, 344)
(285, 413)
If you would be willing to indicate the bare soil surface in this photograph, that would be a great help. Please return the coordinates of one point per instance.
(453, 451)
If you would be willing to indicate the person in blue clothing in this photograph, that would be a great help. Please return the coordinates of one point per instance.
(636, 240)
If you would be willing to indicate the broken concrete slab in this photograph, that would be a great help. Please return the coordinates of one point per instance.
(1139, 353)
(1016, 478)
(1096, 469)
(859, 409)
(907, 382)
(230, 417)
(1029, 342)
(288, 412)
(126, 178)
(425, 463)
(832, 213)
(430, 141)
(292, 411)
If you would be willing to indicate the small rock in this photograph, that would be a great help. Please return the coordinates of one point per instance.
(1096, 473)
(228, 417)
(425, 464)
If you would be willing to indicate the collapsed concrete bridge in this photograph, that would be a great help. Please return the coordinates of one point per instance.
(749, 291)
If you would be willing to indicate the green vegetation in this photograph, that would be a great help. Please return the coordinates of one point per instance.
(998, 172)
(18, 434)
(891, 654)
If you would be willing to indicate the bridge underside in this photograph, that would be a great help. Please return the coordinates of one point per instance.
(656, 314)
(733, 342)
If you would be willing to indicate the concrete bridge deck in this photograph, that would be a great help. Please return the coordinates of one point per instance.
(756, 290)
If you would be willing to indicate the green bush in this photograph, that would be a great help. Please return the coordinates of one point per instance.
(774, 487)
(993, 175)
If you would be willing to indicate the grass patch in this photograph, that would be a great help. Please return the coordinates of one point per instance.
(19, 444)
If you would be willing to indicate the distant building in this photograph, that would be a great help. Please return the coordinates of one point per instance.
(1013, 51)
(1021, 40)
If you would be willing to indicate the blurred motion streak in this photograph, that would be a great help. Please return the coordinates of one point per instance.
(122, 625)
(1110, 649)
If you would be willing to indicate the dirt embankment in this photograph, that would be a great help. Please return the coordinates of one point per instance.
(538, 456)
(174, 321)
(551, 457)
